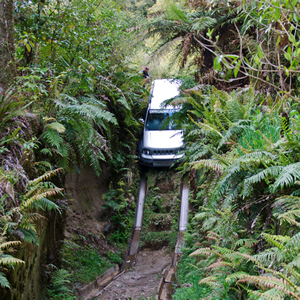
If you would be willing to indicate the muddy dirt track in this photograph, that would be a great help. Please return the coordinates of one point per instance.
(141, 280)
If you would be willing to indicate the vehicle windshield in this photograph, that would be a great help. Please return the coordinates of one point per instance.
(159, 121)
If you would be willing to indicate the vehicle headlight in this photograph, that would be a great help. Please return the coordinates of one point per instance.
(147, 151)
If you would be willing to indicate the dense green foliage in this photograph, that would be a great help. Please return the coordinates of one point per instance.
(241, 152)
(241, 145)
(87, 262)
(76, 102)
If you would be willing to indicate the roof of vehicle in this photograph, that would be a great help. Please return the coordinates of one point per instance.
(163, 89)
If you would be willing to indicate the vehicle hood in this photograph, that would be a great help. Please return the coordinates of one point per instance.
(162, 139)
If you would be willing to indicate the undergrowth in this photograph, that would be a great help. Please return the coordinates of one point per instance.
(157, 239)
(189, 273)
(85, 263)
(160, 221)
(81, 265)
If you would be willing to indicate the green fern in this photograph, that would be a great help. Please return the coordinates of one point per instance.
(7, 260)
(60, 281)
(4, 283)
(287, 177)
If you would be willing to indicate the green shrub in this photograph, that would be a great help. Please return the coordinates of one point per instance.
(114, 257)
(84, 263)
(189, 275)
(158, 238)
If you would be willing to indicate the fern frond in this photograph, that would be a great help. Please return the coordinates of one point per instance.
(287, 177)
(46, 204)
(287, 203)
(262, 175)
(226, 160)
(294, 242)
(289, 217)
(236, 129)
(266, 296)
(268, 256)
(31, 218)
(4, 245)
(3, 281)
(202, 251)
(91, 112)
(276, 240)
(235, 276)
(209, 224)
(219, 264)
(28, 233)
(60, 277)
(259, 156)
(208, 163)
(60, 128)
(211, 281)
(291, 268)
(45, 176)
(247, 242)
(212, 233)
(207, 128)
(235, 110)
(251, 258)
(202, 23)
(223, 251)
(40, 195)
(124, 102)
(270, 282)
(6, 260)
(53, 138)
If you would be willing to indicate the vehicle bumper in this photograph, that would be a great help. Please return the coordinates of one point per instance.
(159, 160)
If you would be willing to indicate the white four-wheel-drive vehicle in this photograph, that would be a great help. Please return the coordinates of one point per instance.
(162, 144)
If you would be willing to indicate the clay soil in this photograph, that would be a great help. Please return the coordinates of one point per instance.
(142, 280)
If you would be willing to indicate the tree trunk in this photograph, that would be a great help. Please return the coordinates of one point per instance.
(7, 48)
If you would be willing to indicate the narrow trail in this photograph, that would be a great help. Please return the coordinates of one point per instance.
(149, 274)
(141, 280)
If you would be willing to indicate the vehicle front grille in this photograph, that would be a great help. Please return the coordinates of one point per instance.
(163, 152)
